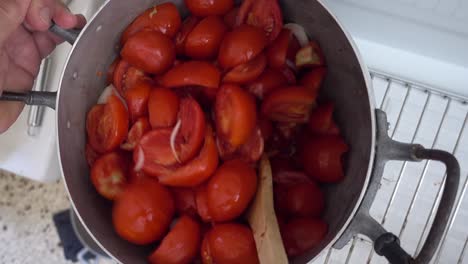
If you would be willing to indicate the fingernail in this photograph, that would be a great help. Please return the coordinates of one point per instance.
(45, 15)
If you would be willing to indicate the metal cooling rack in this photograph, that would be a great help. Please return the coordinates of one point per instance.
(409, 191)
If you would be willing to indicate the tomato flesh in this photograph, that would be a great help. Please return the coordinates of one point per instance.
(246, 72)
(109, 175)
(264, 14)
(139, 128)
(321, 120)
(200, 73)
(202, 8)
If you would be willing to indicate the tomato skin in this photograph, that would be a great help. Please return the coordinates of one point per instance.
(111, 70)
(195, 171)
(107, 125)
(143, 212)
(181, 37)
(241, 45)
(246, 72)
(136, 98)
(205, 39)
(229, 243)
(278, 50)
(264, 14)
(310, 55)
(321, 157)
(108, 175)
(163, 108)
(138, 129)
(164, 18)
(230, 18)
(202, 8)
(313, 80)
(230, 190)
(185, 202)
(299, 199)
(290, 104)
(301, 234)
(201, 198)
(90, 154)
(180, 245)
(120, 70)
(189, 73)
(151, 51)
(268, 81)
(321, 120)
(235, 114)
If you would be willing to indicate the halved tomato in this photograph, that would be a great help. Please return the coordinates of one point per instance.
(310, 55)
(185, 202)
(126, 76)
(302, 234)
(181, 37)
(321, 120)
(251, 151)
(109, 174)
(235, 115)
(189, 73)
(164, 18)
(137, 99)
(91, 155)
(300, 199)
(269, 80)
(313, 79)
(202, 8)
(151, 51)
(230, 17)
(241, 45)
(201, 198)
(266, 128)
(277, 52)
(290, 104)
(107, 125)
(246, 72)
(163, 108)
(204, 40)
(111, 70)
(180, 245)
(321, 158)
(139, 128)
(156, 148)
(264, 14)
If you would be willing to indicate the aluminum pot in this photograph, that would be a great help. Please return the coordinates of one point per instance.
(347, 84)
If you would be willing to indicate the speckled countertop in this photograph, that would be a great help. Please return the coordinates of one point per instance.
(27, 231)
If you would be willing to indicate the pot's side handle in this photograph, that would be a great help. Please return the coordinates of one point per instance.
(69, 35)
(387, 244)
(31, 98)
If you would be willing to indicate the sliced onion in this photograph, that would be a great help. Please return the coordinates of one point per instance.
(140, 159)
(291, 65)
(108, 91)
(174, 133)
(299, 33)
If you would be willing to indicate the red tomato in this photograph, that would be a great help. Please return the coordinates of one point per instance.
(235, 115)
(310, 55)
(268, 81)
(321, 120)
(185, 201)
(180, 245)
(322, 158)
(246, 72)
(156, 149)
(137, 99)
(108, 175)
(289, 74)
(143, 212)
(134, 176)
(204, 40)
(91, 155)
(201, 198)
(251, 151)
(279, 164)
(287, 175)
(120, 72)
(150, 51)
(277, 52)
(301, 234)
(111, 70)
(230, 18)
(312, 80)
(164, 18)
(139, 128)
(264, 14)
(195, 171)
(107, 125)
(291, 104)
(163, 108)
(189, 73)
(229, 243)
(202, 8)
(266, 128)
(300, 199)
(240, 46)
(181, 37)
(230, 190)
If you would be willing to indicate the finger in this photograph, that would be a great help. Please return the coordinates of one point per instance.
(12, 13)
(10, 112)
(63, 17)
(45, 44)
(39, 14)
(22, 50)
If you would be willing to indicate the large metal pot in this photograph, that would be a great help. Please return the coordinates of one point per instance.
(348, 85)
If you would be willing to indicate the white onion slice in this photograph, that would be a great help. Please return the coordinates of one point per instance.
(140, 159)
(299, 33)
(174, 133)
(291, 65)
(108, 91)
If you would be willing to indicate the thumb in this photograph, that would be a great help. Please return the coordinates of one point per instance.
(12, 14)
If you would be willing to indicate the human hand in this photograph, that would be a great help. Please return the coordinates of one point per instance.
(24, 42)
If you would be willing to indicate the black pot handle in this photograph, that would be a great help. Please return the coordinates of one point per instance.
(42, 98)
(387, 244)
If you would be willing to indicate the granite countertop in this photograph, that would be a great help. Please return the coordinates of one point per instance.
(27, 231)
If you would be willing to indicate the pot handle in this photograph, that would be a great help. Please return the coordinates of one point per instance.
(43, 98)
(387, 244)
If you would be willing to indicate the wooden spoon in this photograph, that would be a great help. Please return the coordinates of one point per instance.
(262, 219)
